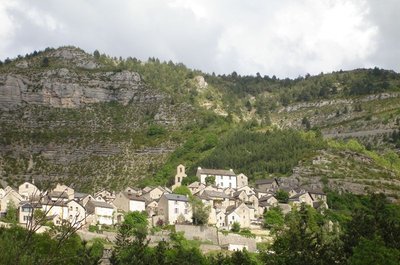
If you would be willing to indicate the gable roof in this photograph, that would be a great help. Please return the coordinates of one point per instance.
(266, 198)
(237, 193)
(133, 197)
(219, 172)
(215, 194)
(99, 204)
(176, 197)
(265, 181)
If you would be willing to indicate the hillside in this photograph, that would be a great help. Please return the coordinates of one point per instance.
(96, 121)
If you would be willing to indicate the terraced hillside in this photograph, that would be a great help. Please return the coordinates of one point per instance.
(96, 121)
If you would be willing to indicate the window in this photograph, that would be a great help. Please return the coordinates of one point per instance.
(176, 202)
(186, 211)
(26, 209)
(76, 208)
(26, 186)
(70, 208)
(27, 218)
(176, 210)
(233, 217)
(230, 185)
(180, 169)
(179, 179)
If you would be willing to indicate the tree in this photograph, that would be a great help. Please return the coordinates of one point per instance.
(45, 62)
(305, 241)
(96, 54)
(210, 180)
(131, 240)
(12, 213)
(282, 196)
(392, 157)
(306, 123)
(235, 227)
(274, 219)
(182, 190)
(374, 251)
(200, 212)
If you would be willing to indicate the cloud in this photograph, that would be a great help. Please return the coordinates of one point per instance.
(283, 38)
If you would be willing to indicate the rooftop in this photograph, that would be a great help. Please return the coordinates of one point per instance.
(176, 197)
(219, 172)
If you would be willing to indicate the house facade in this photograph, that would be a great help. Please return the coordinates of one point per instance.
(129, 202)
(100, 213)
(28, 191)
(223, 178)
(175, 208)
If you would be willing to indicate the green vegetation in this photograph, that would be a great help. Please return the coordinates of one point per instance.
(19, 246)
(282, 196)
(274, 219)
(182, 190)
(389, 159)
(308, 238)
(200, 212)
(259, 153)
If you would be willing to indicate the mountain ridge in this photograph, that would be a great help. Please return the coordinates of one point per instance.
(99, 121)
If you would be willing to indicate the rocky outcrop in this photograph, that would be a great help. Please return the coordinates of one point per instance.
(64, 88)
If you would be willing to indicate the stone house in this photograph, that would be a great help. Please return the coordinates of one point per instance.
(242, 180)
(26, 210)
(247, 189)
(267, 184)
(107, 195)
(196, 187)
(240, 213)
(318, 195)
(155, 193)
(63, 189)
(266, 202)
(10, 196)
(57, 211)
(302, 198)
(76, 213)
(253, 200)
(152, 208)
(174, 208)
(100, 213)
(223, 178)
(28, 191)
(240, 195)
(129, 202)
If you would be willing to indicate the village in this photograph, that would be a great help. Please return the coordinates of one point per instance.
(227, 196)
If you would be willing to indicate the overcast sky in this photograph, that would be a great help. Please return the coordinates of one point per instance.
(286, 38)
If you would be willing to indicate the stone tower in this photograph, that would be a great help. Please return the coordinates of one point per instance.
(180, 174)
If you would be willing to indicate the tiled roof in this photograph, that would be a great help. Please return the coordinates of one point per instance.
(176, 197)
(264, 181)
(100, 204)
(219, 172)
(215, 194)
(133, 196)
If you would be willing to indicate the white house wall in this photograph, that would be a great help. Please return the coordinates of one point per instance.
(137, 206)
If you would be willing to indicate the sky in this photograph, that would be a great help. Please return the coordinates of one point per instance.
(286, 38)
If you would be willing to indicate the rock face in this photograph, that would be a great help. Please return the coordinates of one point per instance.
(76, 122)
(64, 88)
